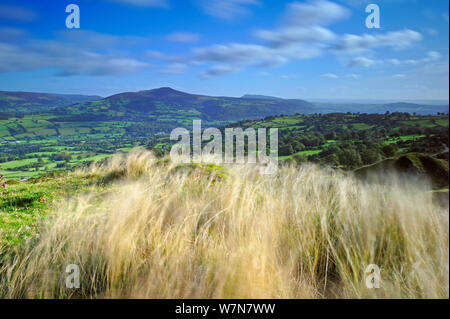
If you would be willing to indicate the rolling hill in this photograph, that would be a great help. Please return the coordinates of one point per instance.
(169, 102)
(27, 102)
(420, 165)
(170, 105)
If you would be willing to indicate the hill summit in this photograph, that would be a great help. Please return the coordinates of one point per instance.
(167, 101)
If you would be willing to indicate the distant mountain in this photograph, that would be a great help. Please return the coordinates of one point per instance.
(417, 108)
(27, 102)
(404, 107)
(166, 105)
(165, 101)
(369, 106)
(377, 101)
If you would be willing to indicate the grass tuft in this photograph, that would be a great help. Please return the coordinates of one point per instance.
(159, 231)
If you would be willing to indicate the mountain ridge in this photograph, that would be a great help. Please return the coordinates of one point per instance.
(30, 102)
(166, 100)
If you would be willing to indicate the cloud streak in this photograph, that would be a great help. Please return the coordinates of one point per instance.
(174, 68)
(13, 13)
(329, 76)
(218, 70)
(361, 62)
(300, 36)
(304, 23)
(351, 43)
(226, 9)
(302, 33)
(66, 57)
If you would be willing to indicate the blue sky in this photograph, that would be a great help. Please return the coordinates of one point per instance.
(292, 49)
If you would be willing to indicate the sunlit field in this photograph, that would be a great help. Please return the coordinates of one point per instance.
(204, 231)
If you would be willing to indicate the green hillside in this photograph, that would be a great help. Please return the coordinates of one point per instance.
(175, 106)
(27, 102)
(420, 165)
(65, 137)
(323, 137)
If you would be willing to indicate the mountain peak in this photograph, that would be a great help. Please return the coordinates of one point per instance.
(166, 90)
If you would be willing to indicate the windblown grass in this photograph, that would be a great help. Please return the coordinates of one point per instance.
(200, 231)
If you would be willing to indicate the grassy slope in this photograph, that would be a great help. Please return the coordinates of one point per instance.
(436, 170)
(166, 103)
(163, 232)
(22, 205)
(27, 102)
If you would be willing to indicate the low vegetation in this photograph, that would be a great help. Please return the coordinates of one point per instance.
(350, 141)
(144, 228)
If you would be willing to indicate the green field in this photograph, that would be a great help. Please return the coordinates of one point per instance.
(349, 141)
(34, 145)
(301, 153)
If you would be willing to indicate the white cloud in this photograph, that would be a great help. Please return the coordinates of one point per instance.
(273, 61)
(67, 59)
(361, 62)
(303, 23)
(399, 76)
(226, 9)
(351, 43)
(218, 70)
(301, 34)
(72, 53)
(292, 35)
(352, 76)
(433, 55)
(183, 37)
(251, 54)
(394, 61)
(234, 52)
(366, 62)
(91, 40)
(329, 76)
(151, 54)
(411, 62)
(430, 57)
(263, 73)
(318, 12)
(8, 34)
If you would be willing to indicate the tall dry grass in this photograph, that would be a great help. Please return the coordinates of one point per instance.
(165, 232)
